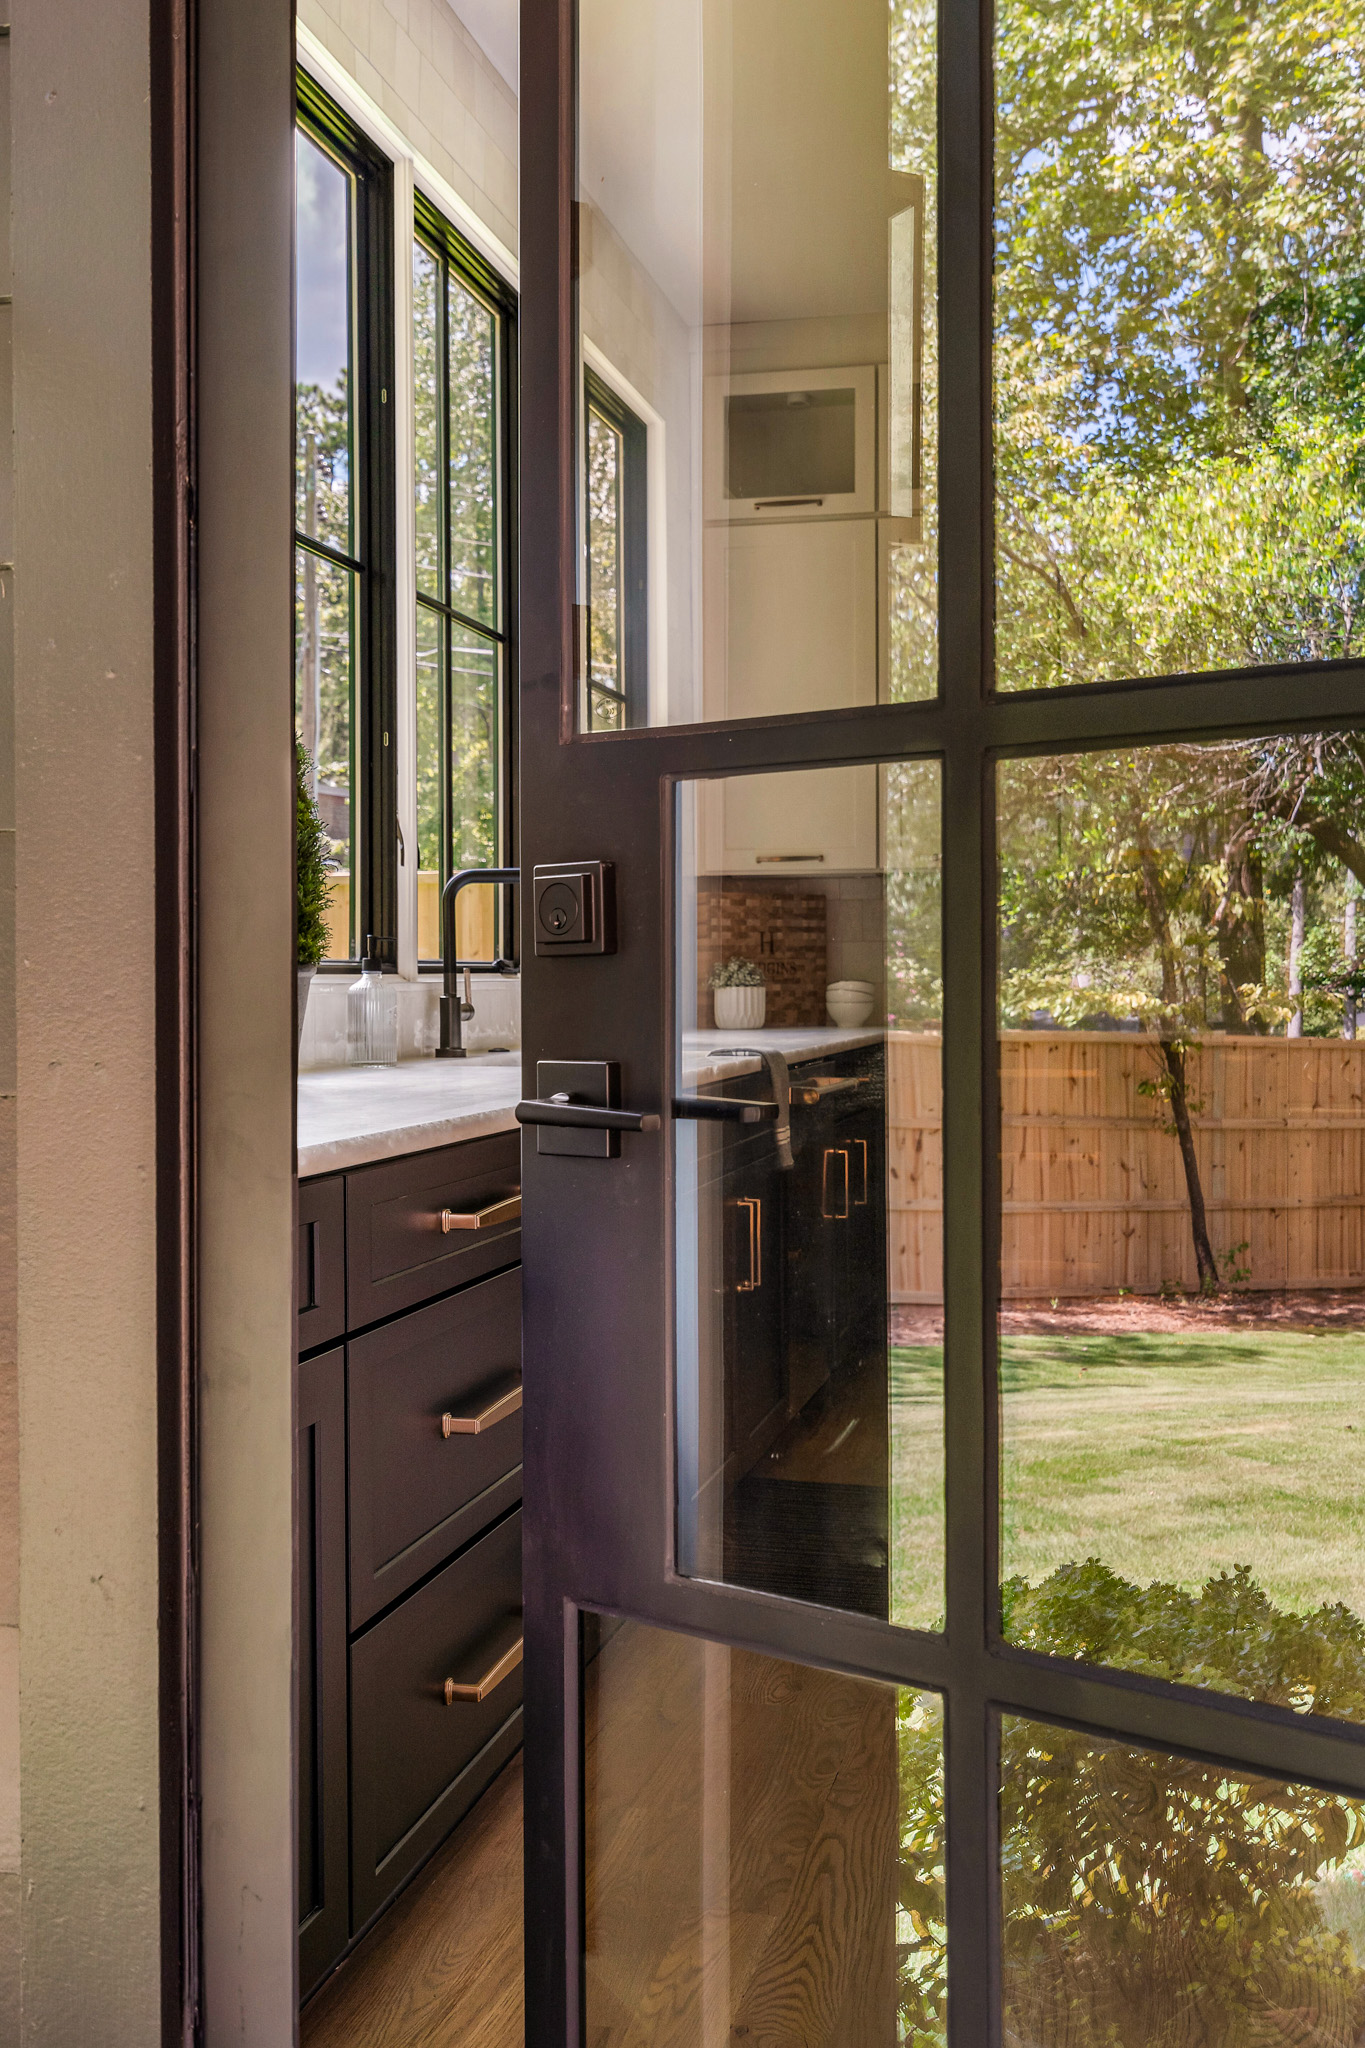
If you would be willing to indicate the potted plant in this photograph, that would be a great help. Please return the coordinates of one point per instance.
(740, 995)
(311, 883)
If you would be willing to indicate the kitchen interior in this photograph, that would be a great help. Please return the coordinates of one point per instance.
(755, 214)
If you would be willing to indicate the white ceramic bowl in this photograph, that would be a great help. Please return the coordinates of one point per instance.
(849, 1007)
(853, 988)
(740, 1009)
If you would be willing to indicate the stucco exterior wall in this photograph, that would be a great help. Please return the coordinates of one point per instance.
(84, 1065)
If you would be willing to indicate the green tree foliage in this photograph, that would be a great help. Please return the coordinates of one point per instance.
(311, 848)
(1179, 312)
(1150, 1901)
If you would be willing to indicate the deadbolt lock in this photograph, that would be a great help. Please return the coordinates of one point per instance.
(575, 907)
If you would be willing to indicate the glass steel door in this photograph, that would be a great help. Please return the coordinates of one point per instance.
(943, 519)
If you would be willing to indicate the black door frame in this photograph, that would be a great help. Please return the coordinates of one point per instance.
(599, 1450)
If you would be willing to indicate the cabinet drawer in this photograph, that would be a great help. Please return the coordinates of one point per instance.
(418, 1764)
(419, 1486)
(321, 1243)
(397, 1253)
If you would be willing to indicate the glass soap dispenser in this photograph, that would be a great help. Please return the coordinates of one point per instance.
(371, 1016)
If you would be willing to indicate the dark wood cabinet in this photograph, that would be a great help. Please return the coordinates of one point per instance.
(420, 1485)
(409, 1486)
(321, 1243)
(398, 1254)
(323, 1825)
(421, 1755)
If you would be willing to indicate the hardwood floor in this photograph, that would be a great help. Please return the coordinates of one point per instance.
(443, 1968)
(741, 1872)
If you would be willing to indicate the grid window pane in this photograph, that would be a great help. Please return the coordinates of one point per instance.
(322, 365)
(1182, 1325)
(471, 348)
(1150, 1902)
(764, 1850)
(324, 689)
(1180, 225)
(426, 286)
(475, 665)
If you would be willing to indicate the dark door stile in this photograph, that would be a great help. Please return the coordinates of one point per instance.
(598, 1235)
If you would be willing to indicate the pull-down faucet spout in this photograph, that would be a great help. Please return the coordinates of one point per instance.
(451, 1046)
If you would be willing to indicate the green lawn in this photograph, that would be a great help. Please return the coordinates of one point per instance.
(1169, 1457)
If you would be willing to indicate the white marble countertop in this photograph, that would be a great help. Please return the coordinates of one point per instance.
(349, 1116)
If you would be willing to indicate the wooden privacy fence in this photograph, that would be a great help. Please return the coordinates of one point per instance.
(1093, 1187)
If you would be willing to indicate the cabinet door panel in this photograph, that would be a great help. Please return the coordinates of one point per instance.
(418, 1764)
(397, 1254)
(322, 1262)
(322, 1820)
(418, 1490)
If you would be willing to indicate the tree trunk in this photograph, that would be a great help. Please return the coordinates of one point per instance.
(1348, 1028)
(1240, 925)
(1297, 920)
(1173, 1057)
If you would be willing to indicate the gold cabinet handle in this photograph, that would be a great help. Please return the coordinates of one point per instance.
(498, 1410)
(506, 1209)
(491, 1680)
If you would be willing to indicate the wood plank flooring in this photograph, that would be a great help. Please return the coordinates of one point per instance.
(443, 1967)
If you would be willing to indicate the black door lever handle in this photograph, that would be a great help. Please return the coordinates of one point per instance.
(583, 1116)
(722, 1109)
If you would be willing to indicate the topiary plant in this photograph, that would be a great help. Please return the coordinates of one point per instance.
(312, 885)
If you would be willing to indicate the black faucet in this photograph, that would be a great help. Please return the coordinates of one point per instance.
(451, 1046)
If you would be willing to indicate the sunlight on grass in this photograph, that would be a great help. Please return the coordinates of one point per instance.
(917, 1530)
(1176, 1457)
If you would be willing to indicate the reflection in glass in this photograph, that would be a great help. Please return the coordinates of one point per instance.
(763, 1849)
(426, 394)
(1180, 206)
(1150, 1900)
(324, 680)
(810, 1360)
(757, 227)
(471, 330)
(1182, 1353)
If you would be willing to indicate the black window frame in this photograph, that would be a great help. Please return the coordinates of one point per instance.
(458, 258)
(599, 397)
(374, 752)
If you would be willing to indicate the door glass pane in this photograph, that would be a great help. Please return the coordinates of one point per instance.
(1180, 195)
(809, 1238)
(426, 395)
(757, 227)
(322, 347)
(473, 455)
(1183, 1171)
(606, 676)
(430, 806)
(324, 686)
(764, 1850)
(1150, 1900)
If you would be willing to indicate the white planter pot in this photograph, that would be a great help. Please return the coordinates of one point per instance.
(740, 1009)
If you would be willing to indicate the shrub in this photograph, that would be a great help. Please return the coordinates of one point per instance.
(310, 867)
(1151, 1901)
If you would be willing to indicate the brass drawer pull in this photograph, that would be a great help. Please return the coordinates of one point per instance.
(506, 1209)
(498, 1410)
(491, 1680)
